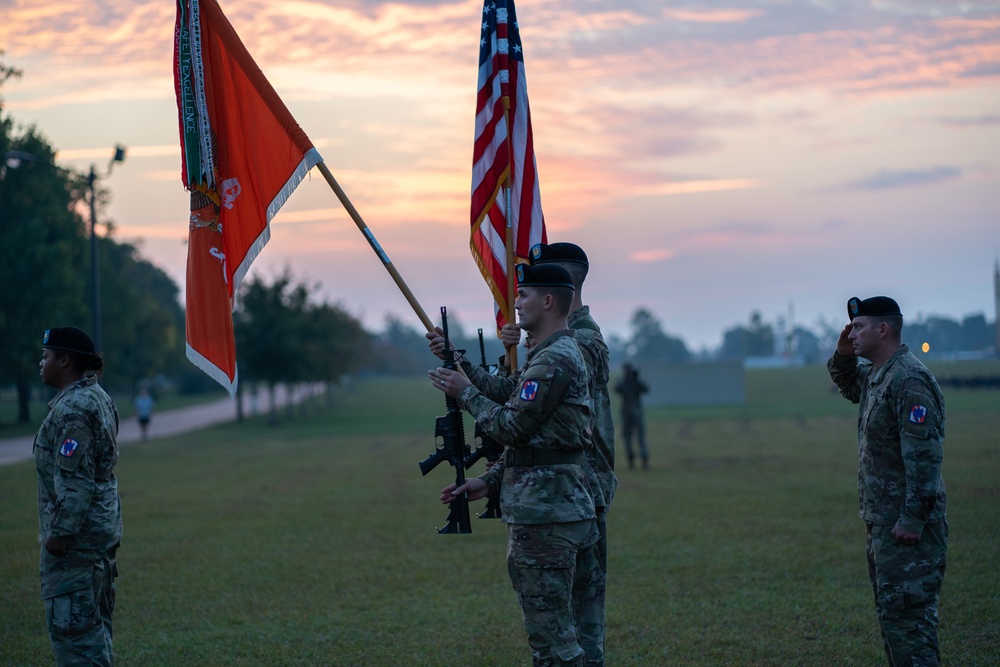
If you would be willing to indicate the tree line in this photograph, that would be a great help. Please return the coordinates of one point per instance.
(760, 338)
(44, 214)
(284, 333)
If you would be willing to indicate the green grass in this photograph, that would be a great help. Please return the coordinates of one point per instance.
(313, 542)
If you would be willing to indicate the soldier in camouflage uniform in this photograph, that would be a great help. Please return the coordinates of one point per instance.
(79, 512)
(601, 457)
(544, 485)
(631, 388)
(900, 488)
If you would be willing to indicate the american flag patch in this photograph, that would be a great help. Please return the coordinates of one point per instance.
(918, 414)
(529, 390)
(68, 447)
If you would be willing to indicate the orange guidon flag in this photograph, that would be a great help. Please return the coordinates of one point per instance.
(242, 156)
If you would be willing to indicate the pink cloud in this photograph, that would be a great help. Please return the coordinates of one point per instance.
(713, 16)
(656, 255)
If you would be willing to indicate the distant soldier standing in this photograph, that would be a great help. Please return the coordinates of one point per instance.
(900, 488)
(631, 388)
(543, 479)
(79, 512)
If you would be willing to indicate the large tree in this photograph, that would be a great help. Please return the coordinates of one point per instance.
(46, 271)
(650, 342)
(142, 320)
(336, 344)
(754, 340)
(282, 337)
(42, 254)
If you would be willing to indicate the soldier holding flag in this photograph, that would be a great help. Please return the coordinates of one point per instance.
(544, 484)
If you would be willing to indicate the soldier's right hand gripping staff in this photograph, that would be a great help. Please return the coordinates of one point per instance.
(453, 449)
(900, 489)
(543, 481)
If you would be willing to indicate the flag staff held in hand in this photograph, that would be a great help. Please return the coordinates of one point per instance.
(507, 219)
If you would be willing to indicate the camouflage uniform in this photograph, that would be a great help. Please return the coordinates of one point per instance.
(602, 461)
(546, 495)
(600, 458)
(900, 447)
(631, 390)
(75, 454)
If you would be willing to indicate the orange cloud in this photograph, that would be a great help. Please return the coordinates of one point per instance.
(657, 255)
(713, 16)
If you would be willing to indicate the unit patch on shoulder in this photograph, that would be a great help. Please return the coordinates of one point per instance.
(68, 447)
(529, 390)
(918, 414)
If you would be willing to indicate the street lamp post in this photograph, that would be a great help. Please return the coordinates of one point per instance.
(95, 272)
(12, 160)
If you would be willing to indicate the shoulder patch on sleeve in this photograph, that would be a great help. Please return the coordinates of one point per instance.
(529, 390)
(918, 414)
(68, 447)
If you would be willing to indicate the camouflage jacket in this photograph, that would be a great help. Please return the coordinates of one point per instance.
(549, 409)
(601, 457)
(900, 438)
(595, 354)
(631, 390)
(75, 454)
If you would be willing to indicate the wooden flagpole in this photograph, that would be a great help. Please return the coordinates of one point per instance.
(353, 212)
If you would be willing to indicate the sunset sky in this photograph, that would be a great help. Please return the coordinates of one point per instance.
(713, 158)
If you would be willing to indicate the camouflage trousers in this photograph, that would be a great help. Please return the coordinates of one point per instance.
(590, 618)
(79, 598)
(906, 581)
(556, 571)
(634, 424)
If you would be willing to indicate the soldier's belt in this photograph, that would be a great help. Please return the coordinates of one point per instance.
(540, 457)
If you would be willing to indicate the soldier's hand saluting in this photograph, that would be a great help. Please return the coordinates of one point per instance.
(845, 347)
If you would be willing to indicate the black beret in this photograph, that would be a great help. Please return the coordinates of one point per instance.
(876, 305)
(543, 276)
(69, 339)
(542, 253)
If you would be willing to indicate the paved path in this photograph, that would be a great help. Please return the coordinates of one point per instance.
(163, 424)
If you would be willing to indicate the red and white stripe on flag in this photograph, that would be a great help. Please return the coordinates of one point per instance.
(503, 146)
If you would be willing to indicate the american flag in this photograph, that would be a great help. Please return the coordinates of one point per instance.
(503, 147)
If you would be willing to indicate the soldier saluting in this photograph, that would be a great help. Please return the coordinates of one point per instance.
(545, 494)
(900, 489)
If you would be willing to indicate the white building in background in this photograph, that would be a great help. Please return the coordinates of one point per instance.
(996, 298)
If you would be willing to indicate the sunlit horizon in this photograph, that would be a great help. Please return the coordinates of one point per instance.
(713, 161)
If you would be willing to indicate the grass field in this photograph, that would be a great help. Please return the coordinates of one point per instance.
(312, 542)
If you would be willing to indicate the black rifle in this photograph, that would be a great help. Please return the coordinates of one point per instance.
(487, 447)
(453, 450)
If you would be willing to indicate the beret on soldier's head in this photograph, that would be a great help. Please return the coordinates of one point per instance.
(875, 306)
(543, 276)
(544, 253)
(69, 339)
